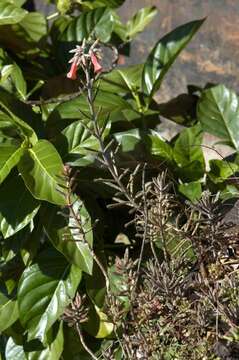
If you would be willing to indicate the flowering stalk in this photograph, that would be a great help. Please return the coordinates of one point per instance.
(86, 59)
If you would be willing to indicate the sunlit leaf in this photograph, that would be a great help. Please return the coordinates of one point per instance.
(41, 168)
(45, 289)
(218, 112)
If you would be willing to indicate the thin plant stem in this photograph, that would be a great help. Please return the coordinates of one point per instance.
(87, 349)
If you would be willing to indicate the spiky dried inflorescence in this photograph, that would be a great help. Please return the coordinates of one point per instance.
(77, 311)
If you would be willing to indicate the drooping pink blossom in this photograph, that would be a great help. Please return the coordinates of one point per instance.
(73, 71)
(96, 64)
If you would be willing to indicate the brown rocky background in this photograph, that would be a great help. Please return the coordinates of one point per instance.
(212, 56)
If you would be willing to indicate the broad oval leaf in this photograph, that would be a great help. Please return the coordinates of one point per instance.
(14, 351)
(218, 112)
(159, 147)
(41, 168)
(10, 13)
(98, 3)
(122, 80)
(188, 154)
(139, 21)
(62, 234)
(33, 26)
(10, 155)
(76, 139)
(22, 116)
(97, 23)
(45, 289)
(8, 312)
(53, 350)
(165, 53)
(191, 190)
(17, 206)
(17, 83)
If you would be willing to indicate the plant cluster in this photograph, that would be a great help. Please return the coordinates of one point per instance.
(115, 243)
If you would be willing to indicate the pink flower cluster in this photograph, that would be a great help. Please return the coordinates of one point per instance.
(76, 61)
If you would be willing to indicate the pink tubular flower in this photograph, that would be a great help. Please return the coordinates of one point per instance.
(73, 70)
(94, 60)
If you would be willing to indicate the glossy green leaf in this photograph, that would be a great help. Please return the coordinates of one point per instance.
(45, 289)
(17, 206)
(8, 312)
(76, 139)
(192, 190)
(139, 21)
(159, 147)
(10, 13)
(111, 106)
(21, 115)
(18, 2)
(14, 72)
(33, 27)
(128, 140)
(14, 351)
(122, 80)
(188, 154)
(98, 3)
(10, 155)
(220, 170)
(218, 112)
(105, 326)
(97, 23)
(187, 147)
(66, 239)
(41, 168)
(164, 54)
(53, 350)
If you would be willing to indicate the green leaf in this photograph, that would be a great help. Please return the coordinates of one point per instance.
(10, 13)
(105, 326)
(188, 148)
(76, 139)
(8, 312)
(17, 206)
(18, 2)
(122, 80)
(14, 351)
(21, 115)
(159, 147)
(220, 170)
(10, 155)
(128, 140)
(33, 27)
(60, 232)
(97, 23)
(41, 168)
(99, 3)
(188, 154)
(139, 21)
(45, 289)
(111, 106)
(164, 54)
(218, 112)
(53, 350)
(192, 190)
(14, 72)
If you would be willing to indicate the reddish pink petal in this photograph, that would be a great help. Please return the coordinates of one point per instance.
(73, 70)
(97, 66)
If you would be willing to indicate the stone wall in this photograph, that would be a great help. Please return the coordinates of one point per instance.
(212, 56)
